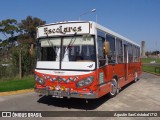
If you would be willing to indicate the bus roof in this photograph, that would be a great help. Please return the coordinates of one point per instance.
(98, 26)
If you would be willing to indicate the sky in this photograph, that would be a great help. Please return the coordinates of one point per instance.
(138, 20)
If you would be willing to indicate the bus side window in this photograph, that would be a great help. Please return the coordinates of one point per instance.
(112, 55)
(119, 50)
(130, 53)
(101, 55)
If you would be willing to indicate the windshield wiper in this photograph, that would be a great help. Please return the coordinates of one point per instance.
(69, 45)
(51, 44)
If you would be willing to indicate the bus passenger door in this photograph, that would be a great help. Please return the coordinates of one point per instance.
(101, 60)
(125, 61)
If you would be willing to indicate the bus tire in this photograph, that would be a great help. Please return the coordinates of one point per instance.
(115, 90)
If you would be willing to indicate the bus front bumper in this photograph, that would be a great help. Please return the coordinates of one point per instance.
(68, 94)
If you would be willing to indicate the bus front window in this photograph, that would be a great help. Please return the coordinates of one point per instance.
(75, 53)
(50, 49)
(78, 49)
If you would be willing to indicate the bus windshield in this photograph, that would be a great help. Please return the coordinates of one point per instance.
(67, 49)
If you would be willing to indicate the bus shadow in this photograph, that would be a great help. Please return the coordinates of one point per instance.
(129, 84)
(74, 103)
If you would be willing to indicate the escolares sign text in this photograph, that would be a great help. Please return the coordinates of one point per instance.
(63, 29)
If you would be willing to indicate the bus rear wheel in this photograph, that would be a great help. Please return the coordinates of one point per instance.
(136, 77)
(115, 89)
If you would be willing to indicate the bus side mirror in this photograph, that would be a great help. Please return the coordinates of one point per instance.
(106, 47)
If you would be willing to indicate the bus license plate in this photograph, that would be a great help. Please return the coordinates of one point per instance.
(57, 94)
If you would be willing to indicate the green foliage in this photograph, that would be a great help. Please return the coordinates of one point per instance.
(28, 28)
(28, 61)
(8, 71)
(152, 53)
(2, 71)
(8, 26)
(15, 58)
(4, 43)
(25, 34)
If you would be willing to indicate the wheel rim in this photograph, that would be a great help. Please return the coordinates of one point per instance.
(136, 76)
(114, 87)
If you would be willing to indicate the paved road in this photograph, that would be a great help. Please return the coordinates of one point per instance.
(144, 95)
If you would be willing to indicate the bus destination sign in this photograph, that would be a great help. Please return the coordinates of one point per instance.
(63, 29)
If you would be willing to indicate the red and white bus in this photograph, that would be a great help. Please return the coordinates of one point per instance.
(79, 59)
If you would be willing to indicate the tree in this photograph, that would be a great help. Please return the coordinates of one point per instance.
(155, 52)
(9, 29)
(9, 26)
(23, 53)
(28, 29)
(148, 53)
(27, 39)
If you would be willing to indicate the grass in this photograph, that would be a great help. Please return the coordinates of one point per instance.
(148, 68)
(16, 84)
(148, 60)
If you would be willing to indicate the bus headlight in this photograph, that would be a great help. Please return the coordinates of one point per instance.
(39, 80)
(85, 81)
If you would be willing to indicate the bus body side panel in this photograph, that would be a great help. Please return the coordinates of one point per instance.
(105, 75)
(119, 70)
